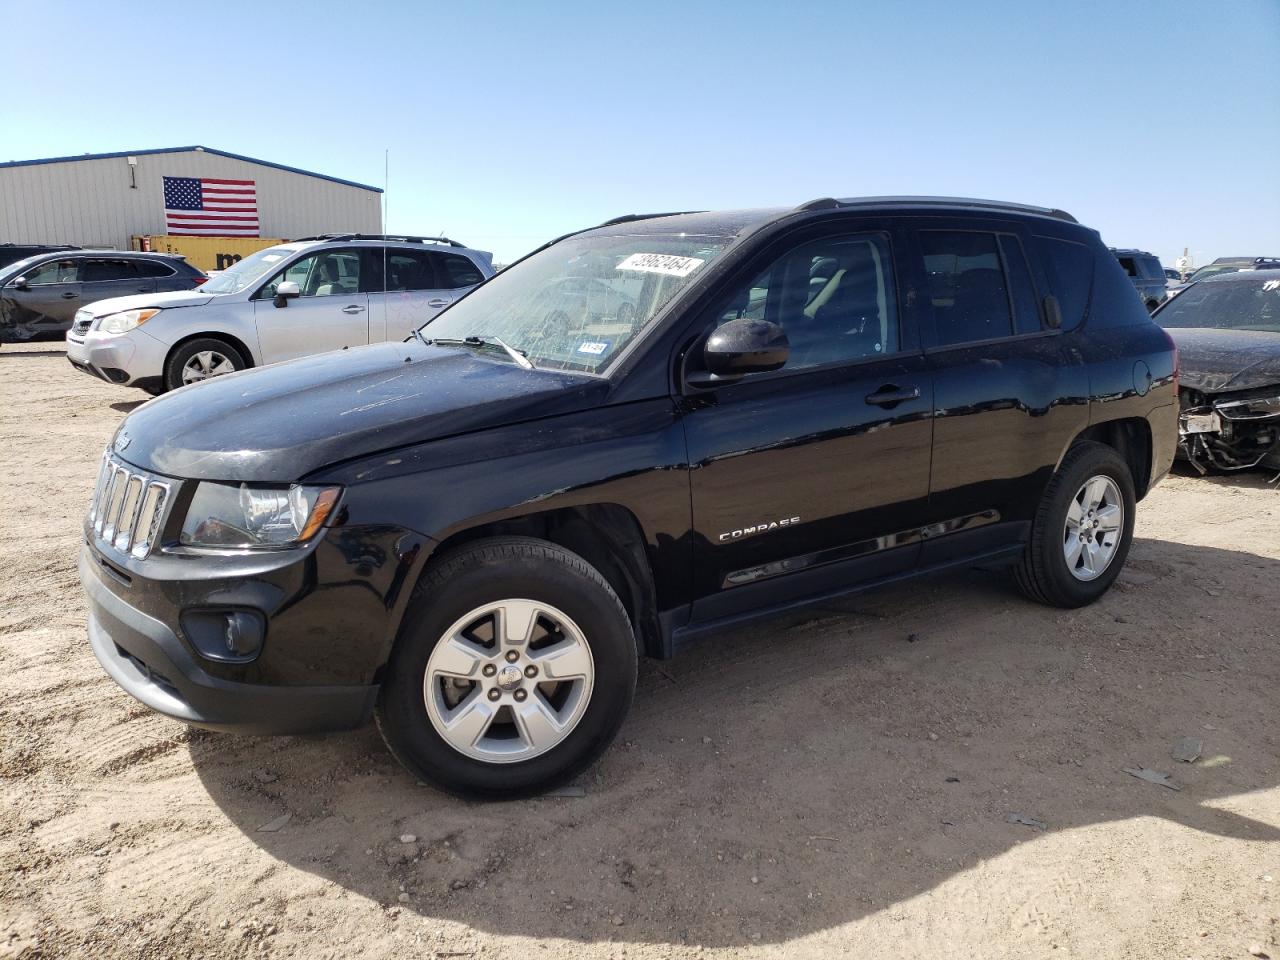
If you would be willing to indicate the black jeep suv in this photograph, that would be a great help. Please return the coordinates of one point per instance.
(641, 432)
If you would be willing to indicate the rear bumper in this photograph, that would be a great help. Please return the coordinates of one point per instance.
(146, 658)
(1164, 441)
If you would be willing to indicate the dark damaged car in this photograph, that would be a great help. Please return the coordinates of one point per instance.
(642, 433)
(1227, 329)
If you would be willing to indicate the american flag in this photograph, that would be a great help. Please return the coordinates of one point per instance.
(206, 207)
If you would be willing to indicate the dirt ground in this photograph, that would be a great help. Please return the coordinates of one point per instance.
(837, 785)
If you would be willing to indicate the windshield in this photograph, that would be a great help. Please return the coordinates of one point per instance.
(243, 274)
(1226, 305)
(15, 269)
(577, 304)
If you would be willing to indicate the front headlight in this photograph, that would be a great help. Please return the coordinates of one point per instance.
(125, 320)
(225, 515)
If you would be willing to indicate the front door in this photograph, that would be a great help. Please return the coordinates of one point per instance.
(331, 312)
(813, 477)
(48, 300)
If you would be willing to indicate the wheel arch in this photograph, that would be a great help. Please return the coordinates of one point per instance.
(230, 338)
(607, 535)
(1128, 436)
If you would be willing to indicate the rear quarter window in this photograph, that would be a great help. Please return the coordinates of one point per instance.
(1114, 301)
(1069, 268)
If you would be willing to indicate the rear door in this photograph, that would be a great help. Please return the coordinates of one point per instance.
(332, 311)
(418, 285)
(398, 301)
(812, 477)
(105, 277)
(1009, 393)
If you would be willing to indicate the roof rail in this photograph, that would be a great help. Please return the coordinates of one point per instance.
(829, 203)
(379, 236)
(632, 217)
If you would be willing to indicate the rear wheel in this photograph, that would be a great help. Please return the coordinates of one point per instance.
(513, 672)
(201, 359)
(1082, 530)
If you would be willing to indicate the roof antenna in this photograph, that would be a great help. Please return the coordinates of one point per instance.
(386, 186)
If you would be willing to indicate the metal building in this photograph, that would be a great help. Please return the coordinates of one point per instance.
(105, 199)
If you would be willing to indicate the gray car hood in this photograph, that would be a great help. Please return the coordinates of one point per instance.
(1225, 361)
(282, 422)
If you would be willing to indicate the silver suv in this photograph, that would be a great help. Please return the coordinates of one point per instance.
(291, 300)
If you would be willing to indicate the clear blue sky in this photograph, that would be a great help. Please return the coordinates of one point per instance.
(509, 123)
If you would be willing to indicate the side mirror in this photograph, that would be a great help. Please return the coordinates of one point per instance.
(1052, 313)
(745, 346)
(286, 290)
(21, 283)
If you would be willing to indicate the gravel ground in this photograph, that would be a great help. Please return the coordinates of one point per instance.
(837, 784)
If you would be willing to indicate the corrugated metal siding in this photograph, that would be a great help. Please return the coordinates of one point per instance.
(90, 202)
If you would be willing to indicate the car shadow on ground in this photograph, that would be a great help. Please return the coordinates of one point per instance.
(798, 775)
(126, 406)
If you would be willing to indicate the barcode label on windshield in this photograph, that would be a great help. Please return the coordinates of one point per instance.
(672, 266)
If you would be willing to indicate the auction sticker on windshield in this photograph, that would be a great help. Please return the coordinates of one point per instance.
(672, 266)
(594, 348)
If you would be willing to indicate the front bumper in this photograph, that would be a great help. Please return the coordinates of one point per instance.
(127, 360)
(154, 666)
(1230, 432)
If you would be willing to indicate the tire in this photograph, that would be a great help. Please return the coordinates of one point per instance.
(445, 616)
(1044, 573)
(220, 353)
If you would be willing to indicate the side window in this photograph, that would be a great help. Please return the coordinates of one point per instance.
(154, 268)
(1130, 265)
(457, 271)
(834, 298)
(330, 273)
(98, 271)
(1026, 305)
(1069, 268)
(966, 285)
(54, 271)
(409, 270)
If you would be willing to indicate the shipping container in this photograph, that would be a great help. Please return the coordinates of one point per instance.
(207, 253)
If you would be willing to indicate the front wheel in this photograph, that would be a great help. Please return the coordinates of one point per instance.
(1082, 530)
(513, 672)
(201, 359)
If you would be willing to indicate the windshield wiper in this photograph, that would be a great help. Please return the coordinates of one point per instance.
(474, 341)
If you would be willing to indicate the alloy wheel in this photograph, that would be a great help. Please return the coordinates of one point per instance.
(206, 364)
(508, 681)
(1093, 528)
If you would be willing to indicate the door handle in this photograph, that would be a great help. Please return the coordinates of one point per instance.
(353, 308)
(439, 302)
(70, 296)
(890, 395)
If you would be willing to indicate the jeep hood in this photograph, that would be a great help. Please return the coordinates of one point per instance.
(282, 422)
(1224, 361)
(167, 301)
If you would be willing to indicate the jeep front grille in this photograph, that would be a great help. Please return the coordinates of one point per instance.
(129, 506)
